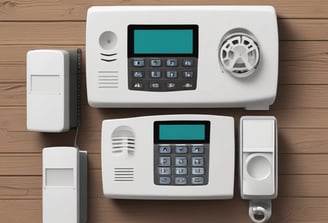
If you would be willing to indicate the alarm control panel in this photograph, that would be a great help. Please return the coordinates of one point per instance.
(168, 157)
(182, 56)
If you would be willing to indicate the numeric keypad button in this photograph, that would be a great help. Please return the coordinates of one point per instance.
(154, 86)
(171, 74)
(138, 62)
(187, 74)
(164, 171)
(197, 149)
(187, 63)
(197, 161)
(155, 74)
(171, 86)
(171, 62)
(164, 180)
(137, 86)
(155, 63)
(181, 161)
(198, 171)
(181, 171)
(165, 149)
(188, 85)
(197, 180)
(165, 161)
(138, 74)
(180, 180)
(181, 149)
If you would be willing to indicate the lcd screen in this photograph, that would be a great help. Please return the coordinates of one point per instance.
(182, 132)
(166, 40)
(163, 41)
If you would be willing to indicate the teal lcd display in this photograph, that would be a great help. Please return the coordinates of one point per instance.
(182, 132)
(163, 41)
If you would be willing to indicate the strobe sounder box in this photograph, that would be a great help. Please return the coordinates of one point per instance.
(182, 56)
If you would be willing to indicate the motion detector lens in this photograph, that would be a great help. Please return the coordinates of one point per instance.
(239, 54)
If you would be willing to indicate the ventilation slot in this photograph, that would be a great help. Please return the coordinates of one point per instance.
(123, 143)
(108, 79)
(123, 174)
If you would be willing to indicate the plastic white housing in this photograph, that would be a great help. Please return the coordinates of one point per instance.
(47, 85)
(60, 185)
(137, 159)
(258, 157)
(107, 34)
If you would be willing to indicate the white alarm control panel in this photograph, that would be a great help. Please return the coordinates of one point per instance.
(168, 157)
(182, 56)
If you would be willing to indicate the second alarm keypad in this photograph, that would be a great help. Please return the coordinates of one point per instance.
(181, 164)
(162, 74)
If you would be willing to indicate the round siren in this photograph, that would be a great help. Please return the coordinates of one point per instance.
(239, 54)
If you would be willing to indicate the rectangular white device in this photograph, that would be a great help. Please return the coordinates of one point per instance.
(182, 56)
(168, 157)
(64, 185)
(258, 157)
(47, 86)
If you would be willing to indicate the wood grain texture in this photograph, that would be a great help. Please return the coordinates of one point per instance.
(301, 109)
(103, 210)
(76, 10)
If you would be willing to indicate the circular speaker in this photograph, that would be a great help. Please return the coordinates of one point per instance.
(107, 40)
(239, 54)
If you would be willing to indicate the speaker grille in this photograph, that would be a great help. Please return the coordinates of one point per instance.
(108, 79)
(123, 143)
(239, 54)
(123, 174)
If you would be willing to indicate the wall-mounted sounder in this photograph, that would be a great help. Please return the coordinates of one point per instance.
(52, 85)
(182, 56)
(179, 157)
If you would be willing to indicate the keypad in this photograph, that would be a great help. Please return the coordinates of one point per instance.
(181, 164)
(162, 74)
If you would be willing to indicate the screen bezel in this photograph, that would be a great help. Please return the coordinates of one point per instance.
(131, 29)
(185, 122)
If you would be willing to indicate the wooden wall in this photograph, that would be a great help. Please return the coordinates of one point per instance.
(301, 109)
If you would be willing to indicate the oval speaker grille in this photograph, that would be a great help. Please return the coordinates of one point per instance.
(121, 143)
(239, 54)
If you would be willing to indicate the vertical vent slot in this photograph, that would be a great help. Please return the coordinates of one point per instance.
(123, 174)
(108, 79)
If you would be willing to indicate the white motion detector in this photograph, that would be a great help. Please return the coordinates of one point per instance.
(182, 56)
(64, 185)
(52, 85)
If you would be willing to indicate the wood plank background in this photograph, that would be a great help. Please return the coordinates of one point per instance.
(301, 109)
